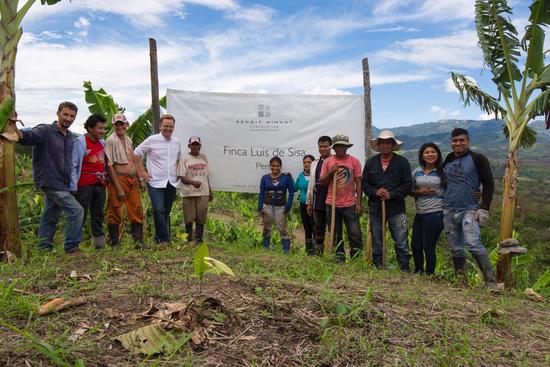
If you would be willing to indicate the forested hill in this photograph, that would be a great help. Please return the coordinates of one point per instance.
(486, 137)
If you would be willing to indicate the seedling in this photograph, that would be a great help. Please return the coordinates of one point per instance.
(203, 264)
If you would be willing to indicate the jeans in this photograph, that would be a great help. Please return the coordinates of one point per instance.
(319, 228)
(399, 232)
(272, 213)
(351, 220)
(462, 230)
(307, 222)
(54, 203)
(426, 230)
(92, 198)
(162, 200)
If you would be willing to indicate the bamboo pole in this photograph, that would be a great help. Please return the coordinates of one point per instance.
(328, 247)
(384, 249)
(155, 106)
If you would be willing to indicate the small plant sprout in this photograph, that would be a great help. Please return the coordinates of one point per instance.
(203, 264)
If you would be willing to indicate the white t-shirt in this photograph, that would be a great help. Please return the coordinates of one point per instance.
(194, 168)
(162, 159)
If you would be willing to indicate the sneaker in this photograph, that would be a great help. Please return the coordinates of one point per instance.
(77, 252)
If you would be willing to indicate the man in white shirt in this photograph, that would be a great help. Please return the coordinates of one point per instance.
(163, 152)
(195, 188)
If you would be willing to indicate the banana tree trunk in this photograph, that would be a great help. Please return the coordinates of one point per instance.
(9, 217)
(509, 196)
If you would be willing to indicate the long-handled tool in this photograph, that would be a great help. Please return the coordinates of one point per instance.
(328, 246)
(383, 233)
(368, 247)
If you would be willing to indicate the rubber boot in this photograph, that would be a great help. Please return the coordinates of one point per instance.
(137, 235)
(319, 247)
(485, 267)
(266, 242)
(460, 269)
(114, 235)
(310, 247)
(199, 231)
(98, 241)
(189, 231)
(286, 245)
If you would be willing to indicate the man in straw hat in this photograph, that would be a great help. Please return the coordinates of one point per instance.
(123, 184)
(348, 195)
(387, 177)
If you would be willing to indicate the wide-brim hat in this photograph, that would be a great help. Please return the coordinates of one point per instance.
(341, 140)
(385, 134)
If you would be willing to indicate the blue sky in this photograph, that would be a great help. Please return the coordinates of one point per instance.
(312, 47)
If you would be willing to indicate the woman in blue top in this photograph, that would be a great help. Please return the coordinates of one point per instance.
(301, 184)
(273, 204)
(428, 187)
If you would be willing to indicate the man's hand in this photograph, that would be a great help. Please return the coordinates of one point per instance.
(477, 195)
(358, 208)
(309, 210)
(210, 196)
(196, 184)
(383, 194)
(427, 191)
(334, 168)
(120, 195)
(482, 216)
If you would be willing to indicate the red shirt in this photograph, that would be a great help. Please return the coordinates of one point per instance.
(94, 162)
(350, 168)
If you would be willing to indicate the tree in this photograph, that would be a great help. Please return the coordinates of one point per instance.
(522, 94)
(10, 34)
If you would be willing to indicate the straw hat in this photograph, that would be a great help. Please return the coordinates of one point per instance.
(386, 134)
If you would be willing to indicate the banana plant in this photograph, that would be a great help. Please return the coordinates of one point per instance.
(522, 93)
(11, 16)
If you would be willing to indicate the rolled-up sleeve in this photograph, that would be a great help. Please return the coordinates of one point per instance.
(143, 148)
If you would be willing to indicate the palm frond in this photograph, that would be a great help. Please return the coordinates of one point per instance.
(142, 127)
(470, 92)
(540, 106)
(528, 136)
(99, 101)
(533, 41)
(499, 42)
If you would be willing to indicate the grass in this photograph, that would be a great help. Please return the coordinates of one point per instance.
(293, 310)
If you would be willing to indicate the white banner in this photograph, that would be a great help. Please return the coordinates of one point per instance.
(241, 132)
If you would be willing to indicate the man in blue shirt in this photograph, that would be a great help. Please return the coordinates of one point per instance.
(463, 215)
(51, 166)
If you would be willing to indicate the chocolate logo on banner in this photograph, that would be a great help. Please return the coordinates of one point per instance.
(263, 122)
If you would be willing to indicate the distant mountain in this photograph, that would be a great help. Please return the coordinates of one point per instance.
(486, 137)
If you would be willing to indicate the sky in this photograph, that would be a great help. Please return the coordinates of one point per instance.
(238, 46)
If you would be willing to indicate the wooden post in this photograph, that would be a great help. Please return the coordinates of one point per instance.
(328, 247)
(155, 107)
(368, 149)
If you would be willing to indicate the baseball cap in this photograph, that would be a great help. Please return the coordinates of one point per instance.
(119, 117)
(195, 139)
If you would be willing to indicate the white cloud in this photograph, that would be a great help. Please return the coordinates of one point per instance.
(485, 116)
(82, 23)
(450, 86)
(458, 50)
(256, 14)
(443, 113)
(432, 11)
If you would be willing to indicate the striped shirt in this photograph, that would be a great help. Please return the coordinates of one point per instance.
(428, 203)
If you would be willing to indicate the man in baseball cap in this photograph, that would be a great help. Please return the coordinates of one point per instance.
(195, 188)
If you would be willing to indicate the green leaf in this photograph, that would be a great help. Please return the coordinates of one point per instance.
(99, 101)
(199, 265)
(142, 127)
(49, 2)
(470, 92)
(149, 340)
(219, 266)
(341, 309)
(6, 109)
(528, 137)
(542, 282)
(498, 42)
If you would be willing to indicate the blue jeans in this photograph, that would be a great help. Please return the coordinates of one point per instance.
(399, 232)
(162, 200)
(351, 220)
(426, 230)
(462, 230)
(54, 203)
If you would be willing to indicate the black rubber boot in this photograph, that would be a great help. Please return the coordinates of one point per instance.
(460, 269)
(137, 235)
(189, 231)
(114, 235)
(310, 247)
(199, 232)
(487, 271)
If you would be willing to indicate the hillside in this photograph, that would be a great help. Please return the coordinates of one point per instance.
(486, 137)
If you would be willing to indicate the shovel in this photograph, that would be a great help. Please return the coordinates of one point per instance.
(383, 233)
(328, 247)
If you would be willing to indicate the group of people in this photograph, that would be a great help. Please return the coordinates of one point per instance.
(447, 196)
(78, 175)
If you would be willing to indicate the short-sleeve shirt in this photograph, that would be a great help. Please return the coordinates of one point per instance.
(162, 159)
(428, 203)
(350, 168)
(194, 168)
